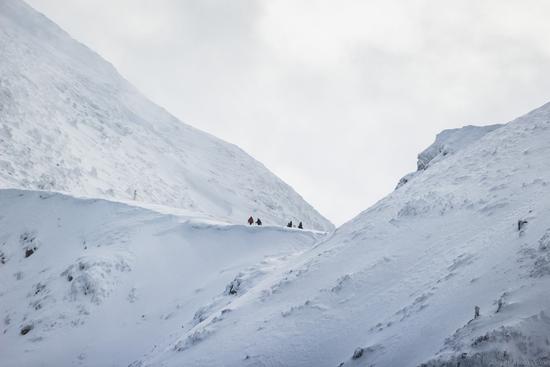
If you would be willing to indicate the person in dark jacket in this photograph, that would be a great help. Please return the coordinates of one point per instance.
(251, 221)
(300, 226)
(289, 225)
(259, 222)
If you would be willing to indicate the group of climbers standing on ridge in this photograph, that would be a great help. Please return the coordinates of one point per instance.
(251, 221)
(259, 223)
(290, 225)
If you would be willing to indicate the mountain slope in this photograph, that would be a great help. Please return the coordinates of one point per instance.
(70, 123)
(97, 283)
(397, 285)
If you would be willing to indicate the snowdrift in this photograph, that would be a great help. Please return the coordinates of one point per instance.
(96, 283)
(70, 123)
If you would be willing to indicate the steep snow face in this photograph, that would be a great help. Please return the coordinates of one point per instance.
(70, 123)
(447, 143)
(97, 283)
(398, 285)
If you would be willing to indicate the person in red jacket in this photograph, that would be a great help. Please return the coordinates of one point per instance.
(251, 221)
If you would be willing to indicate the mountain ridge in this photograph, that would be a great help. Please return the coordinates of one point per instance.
(70, 123)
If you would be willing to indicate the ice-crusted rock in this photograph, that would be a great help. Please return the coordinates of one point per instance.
(447, 143)
(450, 141)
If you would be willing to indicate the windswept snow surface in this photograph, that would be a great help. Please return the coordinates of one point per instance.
(397, 285)
(97, 283)
(70, 123)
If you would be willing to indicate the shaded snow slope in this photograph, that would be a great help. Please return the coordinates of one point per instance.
(97, 283)
(397, 285)
(70, 123)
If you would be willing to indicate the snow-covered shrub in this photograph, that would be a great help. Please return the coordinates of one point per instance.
(358, 353)
(233, 287)
(526, 344)
(45, 182)
(430, 202)
(29, 243)
(541, 264)
(192, 339)
(26, 329)
(544, 242)
(201, 314)
(405, 179)
(93, 278)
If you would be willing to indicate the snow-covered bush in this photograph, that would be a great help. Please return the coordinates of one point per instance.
(93, 278)
(29, 243)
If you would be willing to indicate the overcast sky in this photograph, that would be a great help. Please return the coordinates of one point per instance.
(335, 97)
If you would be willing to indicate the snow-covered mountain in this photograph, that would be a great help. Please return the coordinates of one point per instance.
(150, 269)
(117, 221)
(398, 285)
(70, 123)
(96, 283)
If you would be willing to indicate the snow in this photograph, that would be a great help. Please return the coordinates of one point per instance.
(400, 281)
(108, 281)
(92, 276)
(70, 123)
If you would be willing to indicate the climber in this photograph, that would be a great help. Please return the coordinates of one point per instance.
(259, 222)
(251, 221)
(289, 225)
(300, 226)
